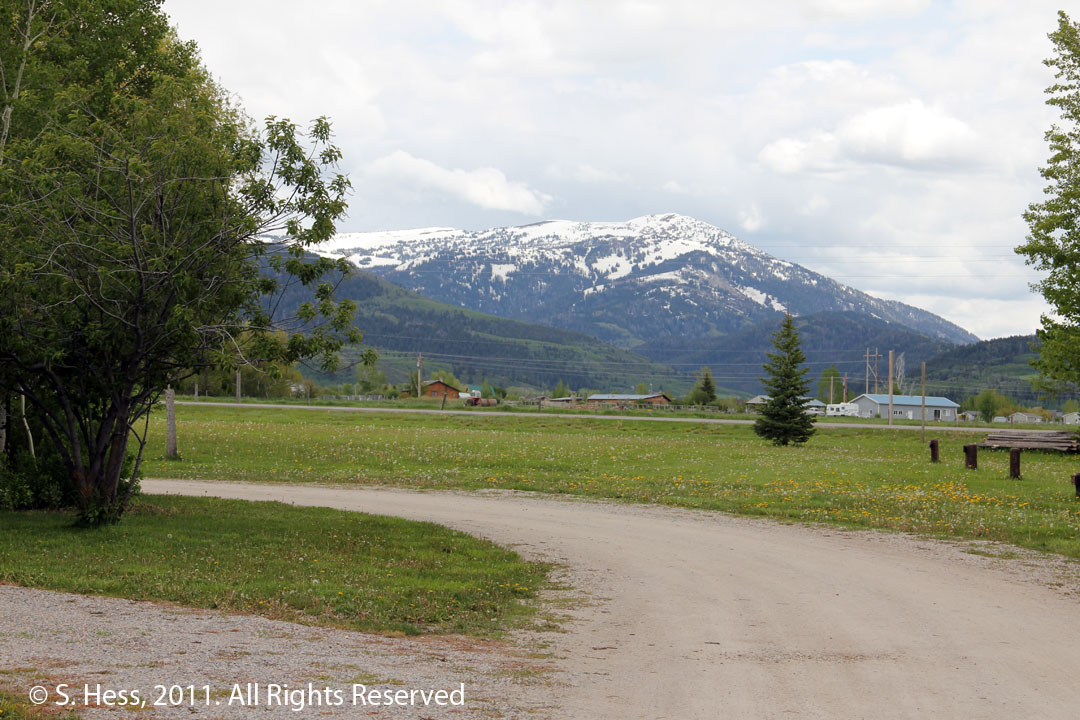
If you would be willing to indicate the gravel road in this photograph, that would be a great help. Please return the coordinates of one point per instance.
(700, 615)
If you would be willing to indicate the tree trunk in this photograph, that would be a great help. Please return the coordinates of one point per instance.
(170, 424)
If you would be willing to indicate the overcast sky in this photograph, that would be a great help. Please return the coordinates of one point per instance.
(889, 144)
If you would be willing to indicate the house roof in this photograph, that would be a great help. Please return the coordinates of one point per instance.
(931, 401)
(440, 381)
(628, 397)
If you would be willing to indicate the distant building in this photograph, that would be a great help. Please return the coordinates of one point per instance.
(1072, 418)
(619, 399)
(813, 405)
(563, 402)
(757, 402)
(437, 389)
(1021, 418)
(906, 407)
(969, 415)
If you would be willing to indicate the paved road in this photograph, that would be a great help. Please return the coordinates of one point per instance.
(698, 615)
(568, 416)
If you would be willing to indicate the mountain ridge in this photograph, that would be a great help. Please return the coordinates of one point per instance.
(625, 283)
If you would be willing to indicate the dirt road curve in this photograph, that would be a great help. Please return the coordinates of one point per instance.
(707, 616)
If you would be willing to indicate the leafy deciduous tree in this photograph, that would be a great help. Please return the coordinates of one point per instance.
(133, 202)
(1053, 242)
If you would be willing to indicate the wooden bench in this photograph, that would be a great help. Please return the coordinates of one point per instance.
(1060, 440)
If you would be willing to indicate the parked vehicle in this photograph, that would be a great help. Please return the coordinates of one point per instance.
(842, 410)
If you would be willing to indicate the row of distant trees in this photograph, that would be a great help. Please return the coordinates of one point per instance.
(991, 403)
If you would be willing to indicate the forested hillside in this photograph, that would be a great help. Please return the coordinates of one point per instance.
(1003, 365)
(830, 338)
(400, 323)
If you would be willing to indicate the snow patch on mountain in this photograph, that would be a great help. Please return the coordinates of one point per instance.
(502, 272)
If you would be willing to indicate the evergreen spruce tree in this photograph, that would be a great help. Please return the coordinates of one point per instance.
(707, 385)
(784, 419)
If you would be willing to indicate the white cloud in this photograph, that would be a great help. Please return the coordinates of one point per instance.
(751, 219)
(815, 206)
(676, 188)
(910, 134)
(792, 155)
(866, 8)
(585, 173)
(484, 187)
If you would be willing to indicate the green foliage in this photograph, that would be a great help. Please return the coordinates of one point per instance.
(641, 389)
(369, 379)
(561, 390)
(133, 201)
(1002, 364)
(831, 381)
(486, 390)
(1053, 242)
(990, 404)
(784, 419)
(704, 390)
(399, 323)
(28, 483)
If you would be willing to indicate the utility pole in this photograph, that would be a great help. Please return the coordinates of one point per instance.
(845, 388)
(237, 384)
(890, 386)
(875, 357)
(924, 402)
(866, 385)
(831, 378)
(419, 369)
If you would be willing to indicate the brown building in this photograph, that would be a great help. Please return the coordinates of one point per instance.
(437, 389)
(650, 399)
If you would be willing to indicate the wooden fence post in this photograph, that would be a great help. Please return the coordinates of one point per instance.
(971, 457)
(934, 453)
(1014, 463)
(1076, 482)
(170, 424)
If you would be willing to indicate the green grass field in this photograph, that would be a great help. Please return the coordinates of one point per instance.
(853, 477)
(312, 565)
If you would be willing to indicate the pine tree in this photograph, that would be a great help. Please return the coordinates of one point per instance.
(707, 385)
(784, 420)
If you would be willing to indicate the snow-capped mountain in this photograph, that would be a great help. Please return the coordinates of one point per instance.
(622, 282)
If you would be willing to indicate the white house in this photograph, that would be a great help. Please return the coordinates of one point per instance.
(1020, 418)
(969, 415)
(906, 407)
(1072, 418)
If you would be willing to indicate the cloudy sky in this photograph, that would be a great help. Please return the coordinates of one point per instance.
(890, 144)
